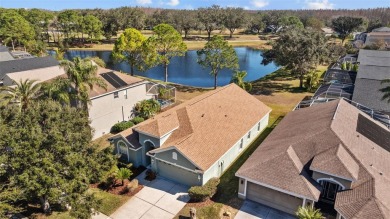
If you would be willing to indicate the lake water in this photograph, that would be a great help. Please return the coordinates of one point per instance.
(185, 70)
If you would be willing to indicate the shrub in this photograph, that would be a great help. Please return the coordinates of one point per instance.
(202, 193)
(150, 175)
(121, 126)
(147, 108)
(137, 120)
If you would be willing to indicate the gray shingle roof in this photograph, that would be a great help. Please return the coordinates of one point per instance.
(19, 65)
(367, 93)
(374, 58)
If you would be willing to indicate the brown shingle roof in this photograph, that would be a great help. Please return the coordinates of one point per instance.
(323, 131)
(209, 125)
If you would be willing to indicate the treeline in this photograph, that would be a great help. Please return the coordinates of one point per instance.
(32, 28)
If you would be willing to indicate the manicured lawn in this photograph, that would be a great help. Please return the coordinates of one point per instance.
(109, 202)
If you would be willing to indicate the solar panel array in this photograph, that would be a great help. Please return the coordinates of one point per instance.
(374, 132)
(113, 79)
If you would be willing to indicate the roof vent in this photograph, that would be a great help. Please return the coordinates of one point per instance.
(203, 115)
(381, 173)
(225, 115)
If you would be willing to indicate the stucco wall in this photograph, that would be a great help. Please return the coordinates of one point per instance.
(234, 152)
(105, 111)
(134, 156)
(143, 138)
(181, 160)
(41, 74)
(177, 174)
(316, 175)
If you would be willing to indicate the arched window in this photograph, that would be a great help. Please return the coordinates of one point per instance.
(122, 147)
(174, 155)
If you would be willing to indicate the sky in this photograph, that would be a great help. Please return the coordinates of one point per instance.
(193, 4)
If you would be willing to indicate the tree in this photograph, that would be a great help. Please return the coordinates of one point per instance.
(309, 213)
(386, 90)
(68, 21)
(238, 78)
(14, 28)
(298, 50)
(211, 18)
(344, 26)
(122, 174)
(290, 22)
(185, 20)
(234, 18)
(256, 22)
(312, 81)
(217, 54)
(82, 75)
(39, 19)
(93, 26)
(147, 108)
(314, 23)
(48, 154)
(168, 43)
(373, 24)
(58, 90)
(23, 93)
(129, 48)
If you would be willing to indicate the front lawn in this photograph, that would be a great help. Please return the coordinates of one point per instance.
(109, 201)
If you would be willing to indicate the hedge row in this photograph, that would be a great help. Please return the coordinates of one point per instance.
(121, 126)
(202, 193)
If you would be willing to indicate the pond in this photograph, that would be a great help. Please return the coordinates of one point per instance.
(185, 70)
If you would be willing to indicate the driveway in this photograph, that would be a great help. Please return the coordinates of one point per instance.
(159, 198)
(252, 210)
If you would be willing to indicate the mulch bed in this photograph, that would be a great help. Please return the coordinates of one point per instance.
(117, 188)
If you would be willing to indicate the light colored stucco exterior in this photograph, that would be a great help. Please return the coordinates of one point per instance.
(106, 109)
(40, 74)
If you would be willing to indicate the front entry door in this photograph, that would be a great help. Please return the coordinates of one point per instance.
(329, 190)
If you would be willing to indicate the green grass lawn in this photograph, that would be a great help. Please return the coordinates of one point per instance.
(109, 202)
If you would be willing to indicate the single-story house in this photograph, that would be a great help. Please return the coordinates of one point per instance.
(379, 35)
(373, 69)
(198, 139)
(116, 103)
(330, 153)
(39, 68)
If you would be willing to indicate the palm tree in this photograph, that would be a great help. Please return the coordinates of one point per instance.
(238, 78)
(386, 90)
(123, 173)
(58, 90)
(82, 75)
(309, 213)
(23, 92)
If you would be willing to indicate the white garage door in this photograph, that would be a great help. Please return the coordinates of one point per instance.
(273, 198)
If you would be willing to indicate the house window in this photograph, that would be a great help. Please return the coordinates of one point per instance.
(242, 143)
(249, 135)
(122, 148)
(258, 127)
(116, 95)
(174, 155)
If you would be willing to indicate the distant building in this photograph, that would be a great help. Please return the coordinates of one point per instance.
(378, 36)
(374, 67)
(39, 68)
(328, 31)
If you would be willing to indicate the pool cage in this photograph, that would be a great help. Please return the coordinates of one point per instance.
(352, 58)
(340, 76)
(164, 94)
(334, 90)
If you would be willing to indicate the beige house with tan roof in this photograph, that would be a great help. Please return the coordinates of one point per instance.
(197, 140)
(115, 104)
(329, 155)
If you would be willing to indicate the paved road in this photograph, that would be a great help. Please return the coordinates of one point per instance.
(252, 210)
(160, 198)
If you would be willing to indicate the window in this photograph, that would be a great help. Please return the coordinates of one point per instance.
(174, 155)
(122, 148)
(258, 127)
(242, 143)
(116, 95)
(249, 134)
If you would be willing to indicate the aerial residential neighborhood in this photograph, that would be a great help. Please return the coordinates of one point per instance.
(195, 109)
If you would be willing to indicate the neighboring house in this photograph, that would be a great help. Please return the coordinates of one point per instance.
(379, 35)
(328, 31)
(197, 140)
(108, 107)
(329, 155)
(40, 69)
(5, 55)
(374, 67)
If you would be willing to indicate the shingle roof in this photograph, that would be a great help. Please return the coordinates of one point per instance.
(129, 80)
(374, 58)
(367, 93)
(322, 131)
(381, 29)
(19, 65)
(5, 55)
(208, 125)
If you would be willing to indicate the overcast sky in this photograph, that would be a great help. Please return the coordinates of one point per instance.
(193, 4)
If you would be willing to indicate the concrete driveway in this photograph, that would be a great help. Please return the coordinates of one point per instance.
(160, 198)
(252, 210)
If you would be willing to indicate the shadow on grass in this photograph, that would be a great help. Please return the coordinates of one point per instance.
(228, 187)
